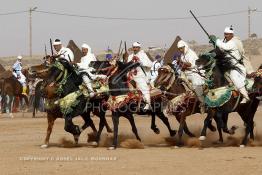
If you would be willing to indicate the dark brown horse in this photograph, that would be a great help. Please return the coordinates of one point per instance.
(246, 111)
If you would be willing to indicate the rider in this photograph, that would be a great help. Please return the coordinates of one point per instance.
(187, 63)
(17, 72)
(229, 46)
(154, 69)
(63, 52)
(141, 74)
(84, 66)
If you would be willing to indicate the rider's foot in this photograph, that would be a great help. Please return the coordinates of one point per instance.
(147, 107)
(244, 100)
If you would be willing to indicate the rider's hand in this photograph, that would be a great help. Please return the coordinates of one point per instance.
(212, 39)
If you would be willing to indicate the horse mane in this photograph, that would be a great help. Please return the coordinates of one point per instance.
(71, 70)
(224, 63)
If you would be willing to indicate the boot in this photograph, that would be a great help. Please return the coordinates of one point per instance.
(88, 84)
(244, 92)
(148, 102)
(24, 90)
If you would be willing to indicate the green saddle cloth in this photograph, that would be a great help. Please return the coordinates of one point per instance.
(218, 97)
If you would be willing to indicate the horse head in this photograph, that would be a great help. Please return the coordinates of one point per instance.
(39, 71)
(258, 79)
(165, 75)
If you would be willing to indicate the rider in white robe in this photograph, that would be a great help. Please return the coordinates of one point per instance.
(84, 66)
(188, 63)
(17, 72)
(141, 74)
(229, 46)
(63, 52)
(154, 69)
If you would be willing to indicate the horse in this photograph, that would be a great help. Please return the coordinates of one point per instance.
(216, 65)
(11, 88)
(42, 71)
(186, 103)
(125, 103)
(2, 68)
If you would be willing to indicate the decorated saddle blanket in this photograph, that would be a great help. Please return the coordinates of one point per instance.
(116, 102)
(219, 96)
(70, 101)
(179, 103)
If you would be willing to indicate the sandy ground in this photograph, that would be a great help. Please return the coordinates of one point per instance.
(21, 137)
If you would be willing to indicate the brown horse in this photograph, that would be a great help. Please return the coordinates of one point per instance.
(11, 88)
(173, 87)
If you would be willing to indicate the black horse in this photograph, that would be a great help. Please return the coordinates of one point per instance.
(64, 76)
(118, 85)
(216, 65)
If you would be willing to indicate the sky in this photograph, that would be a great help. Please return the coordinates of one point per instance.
(101, 33)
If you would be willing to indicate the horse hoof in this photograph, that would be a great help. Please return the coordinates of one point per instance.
(156, 130)
(173, 133)
(242, 146)
(11, 115)
(111, 148)
(94, 144)
(44, 146)
(110, 131)
(202, 138)
(176, 147)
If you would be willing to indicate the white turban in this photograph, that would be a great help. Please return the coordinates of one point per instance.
(19, 57)
(181, 44)
(85, 46)
(229, 30)
(136, 44)
(57, 42)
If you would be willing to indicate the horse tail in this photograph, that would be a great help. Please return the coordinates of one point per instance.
(36, 102)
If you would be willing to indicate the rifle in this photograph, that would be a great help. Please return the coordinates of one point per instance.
(45, 51)
(119, 50)
(51, 45)
(125, 55)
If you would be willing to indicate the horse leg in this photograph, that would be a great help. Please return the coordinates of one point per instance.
(186, 130)
(50, 120)
(26, 101)
(108, 128)
(153, 123)
(130, 117)
(164, 119)
(180, 130)
(101, 115)
(88, 122)
(207, 120)
(115, 118)
(230, 131)
(72, 128)
(219, 130)
(220, 125)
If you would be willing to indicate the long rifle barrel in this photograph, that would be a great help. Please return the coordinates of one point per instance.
(199, 23)
(51, 45)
